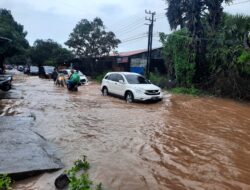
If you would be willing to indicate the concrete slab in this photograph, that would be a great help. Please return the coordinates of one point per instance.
(22, 150)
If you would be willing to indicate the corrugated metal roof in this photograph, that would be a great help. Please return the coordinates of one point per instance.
(131, 53)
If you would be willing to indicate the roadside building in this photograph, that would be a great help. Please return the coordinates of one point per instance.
(132, 61)
(136, 61)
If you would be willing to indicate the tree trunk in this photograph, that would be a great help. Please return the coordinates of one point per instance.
(2, 58)
(246, 42)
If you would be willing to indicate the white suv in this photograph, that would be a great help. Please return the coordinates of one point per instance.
(131, 86)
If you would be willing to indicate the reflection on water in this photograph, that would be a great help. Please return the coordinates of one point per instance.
(183, 142)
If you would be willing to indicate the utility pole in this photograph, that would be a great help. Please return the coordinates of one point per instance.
(150, 39)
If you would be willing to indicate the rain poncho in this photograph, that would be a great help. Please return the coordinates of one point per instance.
(75, 78)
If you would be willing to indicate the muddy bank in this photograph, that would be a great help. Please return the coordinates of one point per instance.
(183, 142)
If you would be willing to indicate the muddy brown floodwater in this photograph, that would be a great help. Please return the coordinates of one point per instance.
(182, 142)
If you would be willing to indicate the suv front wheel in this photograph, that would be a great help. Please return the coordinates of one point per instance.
(105, 91)
(129, 97)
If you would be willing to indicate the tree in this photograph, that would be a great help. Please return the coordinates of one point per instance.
(190, 14)
(90, 40)
(229, 57)
(10, 29)
(237, 27)
(48, 52)
(179, 60)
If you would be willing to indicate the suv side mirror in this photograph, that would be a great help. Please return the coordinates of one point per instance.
(121, 81)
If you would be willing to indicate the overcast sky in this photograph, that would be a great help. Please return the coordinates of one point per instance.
(55, 19)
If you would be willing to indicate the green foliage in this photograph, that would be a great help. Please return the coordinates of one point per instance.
(48, 52)
(179, 58)
(98, 78)
(5, 182)
(89, 39)
(190, 91)
(244, 62)
(229, 58)
(19, 59)
(99, 186)
(197, 17)
(81, 182)
(82, 164)
(158, 79)
(12, 30)
(221, 48)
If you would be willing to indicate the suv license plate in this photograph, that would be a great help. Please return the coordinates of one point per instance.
(154, 98)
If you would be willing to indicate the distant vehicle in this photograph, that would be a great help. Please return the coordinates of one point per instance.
(67, 73)
(5, 82)
(46, 71)
(20, 68)
(33, 70)
(8, 67)
(130, 86)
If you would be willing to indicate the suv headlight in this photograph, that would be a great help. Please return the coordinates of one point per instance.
(138, 90)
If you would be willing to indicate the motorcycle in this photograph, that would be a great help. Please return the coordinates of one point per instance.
(72, 87)
(60, 81)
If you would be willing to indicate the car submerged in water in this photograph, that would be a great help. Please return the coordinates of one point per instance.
(130, 86)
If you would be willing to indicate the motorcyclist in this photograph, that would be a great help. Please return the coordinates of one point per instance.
(74, 80)
(54, 75)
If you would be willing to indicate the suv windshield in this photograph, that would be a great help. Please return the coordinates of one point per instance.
(136, 79)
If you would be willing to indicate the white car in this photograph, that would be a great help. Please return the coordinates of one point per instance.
(131, 86)
(67, 72)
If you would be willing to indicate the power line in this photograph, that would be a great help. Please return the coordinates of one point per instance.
(128, 31)
(127, 26)
(132, 37)
(132, 18)
(141, 34)
(132, 42)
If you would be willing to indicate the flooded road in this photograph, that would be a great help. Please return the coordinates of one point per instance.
(182, 142)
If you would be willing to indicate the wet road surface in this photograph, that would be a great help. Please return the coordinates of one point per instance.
(182, 142)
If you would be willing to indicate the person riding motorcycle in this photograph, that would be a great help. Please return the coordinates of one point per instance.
(74, 80)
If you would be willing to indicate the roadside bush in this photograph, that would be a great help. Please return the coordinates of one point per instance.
(190, 91)
(158, 79)
(230, 71)
(233, 87)
(5, 182)
(98, 78)
(81, 182)
(179, 57)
